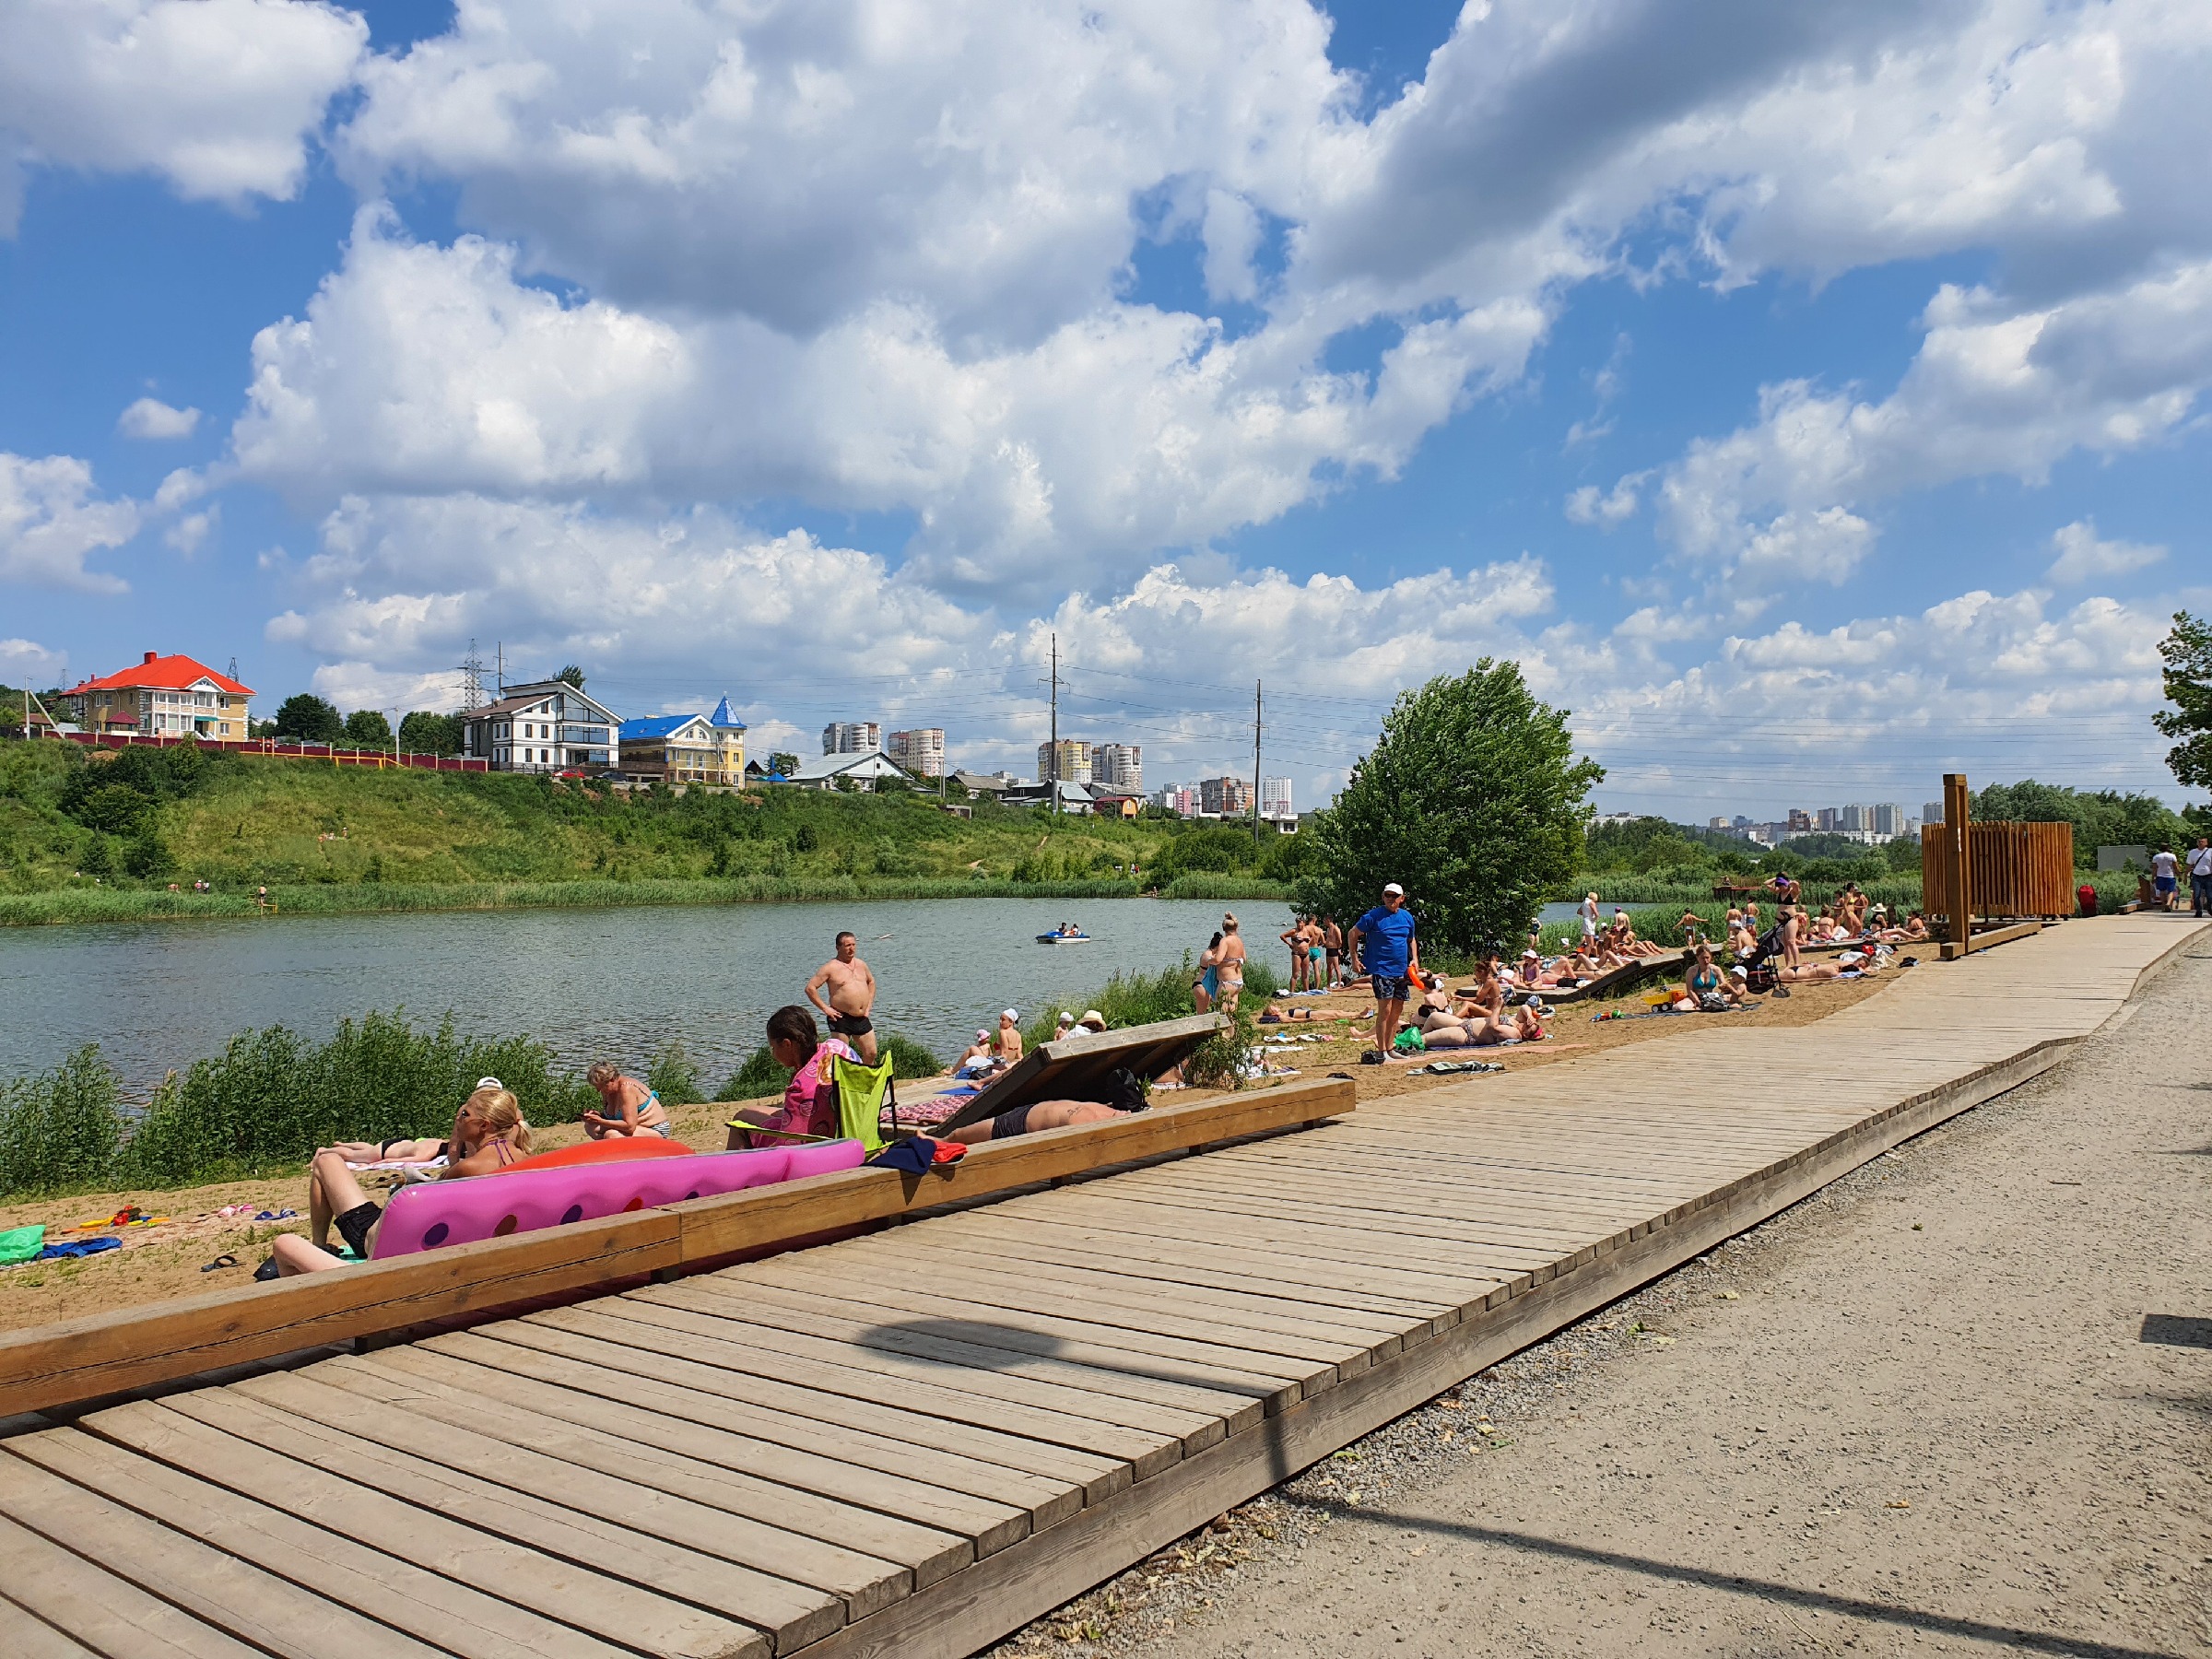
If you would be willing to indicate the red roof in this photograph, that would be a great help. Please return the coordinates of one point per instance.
(160, 674)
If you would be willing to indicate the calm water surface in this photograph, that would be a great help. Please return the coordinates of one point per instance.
(619, 983)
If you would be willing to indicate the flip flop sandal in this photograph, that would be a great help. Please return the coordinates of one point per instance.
(225, 1260)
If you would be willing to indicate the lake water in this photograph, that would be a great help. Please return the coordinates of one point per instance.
(612, 984)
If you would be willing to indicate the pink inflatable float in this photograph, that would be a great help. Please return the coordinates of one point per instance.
(460, 1212)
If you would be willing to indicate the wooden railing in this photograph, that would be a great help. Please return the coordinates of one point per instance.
(81, 1361)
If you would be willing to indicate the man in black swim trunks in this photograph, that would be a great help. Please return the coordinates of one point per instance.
(852, 999)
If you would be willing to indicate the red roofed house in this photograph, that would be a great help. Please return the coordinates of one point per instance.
(164, 697)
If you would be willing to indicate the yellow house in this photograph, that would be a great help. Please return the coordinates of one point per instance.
(165, 697)
(686, 748)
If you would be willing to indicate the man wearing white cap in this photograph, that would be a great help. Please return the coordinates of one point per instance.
(1383, 943)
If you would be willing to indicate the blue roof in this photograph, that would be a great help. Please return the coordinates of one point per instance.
(722, 717)
(659, 725)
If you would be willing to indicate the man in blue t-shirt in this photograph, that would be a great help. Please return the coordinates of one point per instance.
(1383, 944)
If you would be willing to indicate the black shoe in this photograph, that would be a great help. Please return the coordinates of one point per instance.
(1371, 1057)
(268, 1270)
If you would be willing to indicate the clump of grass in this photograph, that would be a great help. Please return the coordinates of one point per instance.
(910, 1059)
(757, 1078)
(674, 1077)
(61, 1128)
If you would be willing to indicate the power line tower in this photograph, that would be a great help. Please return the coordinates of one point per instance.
(472, 680)
(233, 672)
(1255, 762)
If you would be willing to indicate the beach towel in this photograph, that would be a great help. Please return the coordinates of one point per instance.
(79, 1247)
(21, 1244)
(918, 1156)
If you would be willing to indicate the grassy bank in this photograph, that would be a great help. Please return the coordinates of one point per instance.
(89, 835)
(271, 1098)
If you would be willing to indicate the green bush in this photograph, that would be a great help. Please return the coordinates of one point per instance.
(59, 1129)
(674, 1077)
(910, 1059)
(758, 1077)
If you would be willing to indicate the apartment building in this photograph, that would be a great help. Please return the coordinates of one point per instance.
(852, 737)
(1274, 800)
(920, 749)
(1225, 797)
(1068, 761)
(1119, 767)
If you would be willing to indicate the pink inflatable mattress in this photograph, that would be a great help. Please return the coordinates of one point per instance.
(432, 1213)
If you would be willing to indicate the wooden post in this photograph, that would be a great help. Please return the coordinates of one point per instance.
(1956, 810)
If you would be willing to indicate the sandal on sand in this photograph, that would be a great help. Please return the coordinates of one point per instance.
(225, 1260)
(268, 1270)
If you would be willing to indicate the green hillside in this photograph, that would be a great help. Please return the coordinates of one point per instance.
(104, 834)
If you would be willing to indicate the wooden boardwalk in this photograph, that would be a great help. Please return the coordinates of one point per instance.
(913, 1441)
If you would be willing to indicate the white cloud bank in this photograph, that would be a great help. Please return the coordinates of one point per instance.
(52, 520)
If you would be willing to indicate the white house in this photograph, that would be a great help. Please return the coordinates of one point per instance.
(548, 726)
(866, 770)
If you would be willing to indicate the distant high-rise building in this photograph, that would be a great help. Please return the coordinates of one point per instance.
(1069, 764)
(1275, 799)
(1719, 820)
(1885, 818)
(1800, 820)
(1853, 817)
(1825, 819)
(1118, 766)
(1739, 822)
(921, 750)
(1178, 798)
(1225, 797)
(1931, 812)
(852, 737)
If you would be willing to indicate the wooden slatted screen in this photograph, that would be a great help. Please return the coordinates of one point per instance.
(2018, 869)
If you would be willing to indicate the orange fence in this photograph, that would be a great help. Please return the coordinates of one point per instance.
(285, 750)
(2017, 870)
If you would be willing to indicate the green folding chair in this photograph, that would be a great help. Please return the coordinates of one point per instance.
(864, 1093)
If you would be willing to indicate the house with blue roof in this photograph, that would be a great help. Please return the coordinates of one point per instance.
(686, 748)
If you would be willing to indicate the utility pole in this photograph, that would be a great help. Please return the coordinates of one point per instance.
(1255, 761)
(499, 659)
(1053, 782)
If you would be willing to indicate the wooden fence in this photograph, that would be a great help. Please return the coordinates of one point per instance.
(2016, 869)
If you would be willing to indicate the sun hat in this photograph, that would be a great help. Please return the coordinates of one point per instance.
(1391, 887)
(981, 1032)
(1738, 972)
(1092, 1017)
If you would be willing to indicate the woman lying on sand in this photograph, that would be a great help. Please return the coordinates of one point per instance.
(1470, 1026)
(488, 1134)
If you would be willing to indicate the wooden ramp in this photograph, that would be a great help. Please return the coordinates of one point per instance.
(912, 1441)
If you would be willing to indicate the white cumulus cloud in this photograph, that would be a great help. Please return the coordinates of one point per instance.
(52, 519)
(151, 418)
(2082, 556)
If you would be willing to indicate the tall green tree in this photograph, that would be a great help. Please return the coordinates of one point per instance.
(309, 719)
(423, 732)
(1472, 798)
(368, 728)
(2188, 677)
(572, 676)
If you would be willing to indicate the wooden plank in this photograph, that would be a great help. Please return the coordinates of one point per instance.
(914, 1388)
(24, 1637)
(969, 1462)
(113, 1615)
(418, 1514)
(984, 1375)
(1097, 1473)
(434, 1606)
(1952, 950)
(1060, 1069)
(717, 1229)
(1205, 1387)
(227, 1594)
(591, 1469)
(104, 1354)
(1134, 1357)
(670, 1444)
(82, 1360)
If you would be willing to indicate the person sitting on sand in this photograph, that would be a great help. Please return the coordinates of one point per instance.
(1704, 983)
(1006, 1044)
(810, 1105)
(980, 1054)
(488, 1134)
(628, 1106)
(1915, 929)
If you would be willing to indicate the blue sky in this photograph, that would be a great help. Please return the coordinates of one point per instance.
(1810, 412)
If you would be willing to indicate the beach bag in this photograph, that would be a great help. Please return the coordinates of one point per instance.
(1409, 1041)
(1712, 1002)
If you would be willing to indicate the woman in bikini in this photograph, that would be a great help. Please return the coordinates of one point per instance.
(1703, 981)
(488, 1134)
(1230, 970)
(1207, 985)
(631, 1108)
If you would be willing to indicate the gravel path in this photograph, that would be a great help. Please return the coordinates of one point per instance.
(1920, 1413)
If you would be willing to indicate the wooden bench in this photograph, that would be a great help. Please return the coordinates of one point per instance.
(81, 1361)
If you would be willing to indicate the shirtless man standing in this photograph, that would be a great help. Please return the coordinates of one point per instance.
(852, 997)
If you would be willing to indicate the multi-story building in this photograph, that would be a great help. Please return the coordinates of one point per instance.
(852, 737)
(164, 697)
(545, 727)
(1225, 797)
(1800, 821)
(1885, 818)
(1069, 761)
(1178, 798)
(1274, 800)
(1119, 767)
(1931, 812)
(921, 750)
(686, 748)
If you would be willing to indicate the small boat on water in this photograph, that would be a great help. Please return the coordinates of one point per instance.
(1064, 938)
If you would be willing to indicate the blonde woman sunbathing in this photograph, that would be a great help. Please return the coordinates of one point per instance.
(1475, 1028)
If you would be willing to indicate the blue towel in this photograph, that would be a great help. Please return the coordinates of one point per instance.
(79, 1247)
(914, 1157)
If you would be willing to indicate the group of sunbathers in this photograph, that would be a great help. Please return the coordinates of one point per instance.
(1316, 952)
